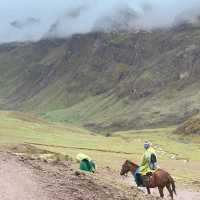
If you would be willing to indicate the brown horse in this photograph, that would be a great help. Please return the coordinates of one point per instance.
(159, 178)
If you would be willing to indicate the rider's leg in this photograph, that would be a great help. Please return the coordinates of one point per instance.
(138, 179)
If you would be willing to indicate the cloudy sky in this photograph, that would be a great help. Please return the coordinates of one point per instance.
(32, 19)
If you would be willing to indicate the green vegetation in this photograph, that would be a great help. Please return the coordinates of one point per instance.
(120, 72)
(109, 113)
(181, 158)
(118, 84)
(105, 81)
(118, 39)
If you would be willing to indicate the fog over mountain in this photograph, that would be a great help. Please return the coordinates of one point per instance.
(63, 18)
(23, 24)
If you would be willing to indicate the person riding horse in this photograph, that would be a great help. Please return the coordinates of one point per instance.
(148, 165)
(148, 174)
(160, 178)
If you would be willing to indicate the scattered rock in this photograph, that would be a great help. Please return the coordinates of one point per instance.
(78, 173)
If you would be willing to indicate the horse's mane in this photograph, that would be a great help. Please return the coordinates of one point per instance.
(132, 163)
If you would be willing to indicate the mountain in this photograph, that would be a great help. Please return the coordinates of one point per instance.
(106, 81)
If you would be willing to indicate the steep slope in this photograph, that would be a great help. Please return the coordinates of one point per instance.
(106, 80)
(191, 126)
(30, 178)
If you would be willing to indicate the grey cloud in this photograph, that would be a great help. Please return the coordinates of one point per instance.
(146, 6)
(82, 16)
(76, 11)
(31, 21)
(188, 16)
(121, 19)
(70, 15)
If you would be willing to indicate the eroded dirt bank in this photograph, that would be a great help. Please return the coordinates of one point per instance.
(23, 178)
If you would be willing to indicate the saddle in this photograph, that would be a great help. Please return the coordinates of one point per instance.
(148, 179)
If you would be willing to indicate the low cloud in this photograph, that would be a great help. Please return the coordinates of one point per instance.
(31, 21)
(65, 21)
(122, 18)
(75, 12)
(64, 18)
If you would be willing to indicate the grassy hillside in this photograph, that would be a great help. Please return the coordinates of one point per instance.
(105, 113)
(180, 157)
(105, 81)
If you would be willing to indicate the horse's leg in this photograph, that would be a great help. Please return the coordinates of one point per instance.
(148, 190)
(161, 191)
(170, 190)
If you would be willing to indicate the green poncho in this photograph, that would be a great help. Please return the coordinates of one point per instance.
(87, 165)
(145, 165)
(86, 162)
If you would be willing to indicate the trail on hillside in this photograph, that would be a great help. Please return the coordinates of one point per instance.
(79, 148)
(18, 182)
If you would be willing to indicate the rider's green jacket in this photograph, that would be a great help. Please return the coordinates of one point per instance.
(145, 165)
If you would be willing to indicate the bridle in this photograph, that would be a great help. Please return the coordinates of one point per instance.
(125, 174)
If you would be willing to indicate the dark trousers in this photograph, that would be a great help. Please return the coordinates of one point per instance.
(138, 180)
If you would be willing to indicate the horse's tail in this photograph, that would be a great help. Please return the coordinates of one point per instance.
(173, 185)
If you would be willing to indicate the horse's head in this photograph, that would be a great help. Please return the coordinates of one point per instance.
(128, 166)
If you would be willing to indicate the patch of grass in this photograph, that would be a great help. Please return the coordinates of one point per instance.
(118, 39)
(120, 72)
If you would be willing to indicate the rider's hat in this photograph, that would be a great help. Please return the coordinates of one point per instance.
(147, 144)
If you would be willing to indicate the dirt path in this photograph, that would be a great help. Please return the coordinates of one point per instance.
(23, 178)
(18, 182)
(183, 193)
(188, 195)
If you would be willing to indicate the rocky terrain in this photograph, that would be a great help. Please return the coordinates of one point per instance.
(26, 178)
(191, 126)
(31, 173)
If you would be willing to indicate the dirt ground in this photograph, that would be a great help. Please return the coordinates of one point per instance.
(183, 192)
(30, 179)
(24, 178)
